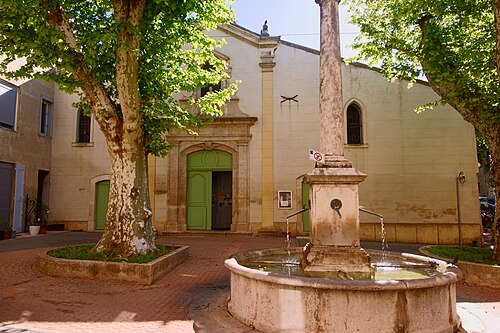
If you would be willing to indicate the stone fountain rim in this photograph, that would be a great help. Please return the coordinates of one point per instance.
(451, 274)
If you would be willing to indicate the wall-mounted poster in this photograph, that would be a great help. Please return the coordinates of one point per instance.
(285, 199)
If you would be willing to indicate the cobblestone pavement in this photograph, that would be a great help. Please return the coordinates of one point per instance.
(33, 302)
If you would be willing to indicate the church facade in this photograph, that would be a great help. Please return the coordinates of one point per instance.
(243, 172)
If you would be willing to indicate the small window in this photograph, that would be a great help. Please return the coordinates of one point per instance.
(45, 118)
(8, 105)
(354, 125)
(83, 127)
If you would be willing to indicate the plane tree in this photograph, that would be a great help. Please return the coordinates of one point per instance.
(455, 44)
(126, 59)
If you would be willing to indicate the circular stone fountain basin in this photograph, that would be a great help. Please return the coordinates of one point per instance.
(418, 298)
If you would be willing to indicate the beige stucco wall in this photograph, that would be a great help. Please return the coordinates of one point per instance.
(75, 168)
(24, 144)
(296, 123)
(411, 159)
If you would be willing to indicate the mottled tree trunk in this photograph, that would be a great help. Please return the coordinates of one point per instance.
(129, 229)
(496, 224)
(492, 138)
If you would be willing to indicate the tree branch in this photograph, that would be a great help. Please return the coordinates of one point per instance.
(422, 23)
(59, 21)
(102, 105)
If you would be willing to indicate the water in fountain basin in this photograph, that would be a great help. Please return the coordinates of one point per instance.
(386, 268)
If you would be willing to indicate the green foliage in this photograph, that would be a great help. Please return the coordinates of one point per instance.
(173, 54)
(454, 44)
(481, 255)
(451, 42)
(483, 155)
(83, 252)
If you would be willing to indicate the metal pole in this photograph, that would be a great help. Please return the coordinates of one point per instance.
(460, 179)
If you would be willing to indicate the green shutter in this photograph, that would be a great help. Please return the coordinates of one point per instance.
(101, 203)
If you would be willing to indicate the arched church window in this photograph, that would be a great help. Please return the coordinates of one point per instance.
(354, 125)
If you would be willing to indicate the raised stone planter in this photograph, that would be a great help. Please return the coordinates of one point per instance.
(145, 274)
(475, 274)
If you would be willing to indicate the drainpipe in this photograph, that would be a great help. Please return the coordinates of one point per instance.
(460, 179)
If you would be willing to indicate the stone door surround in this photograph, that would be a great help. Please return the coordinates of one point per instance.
(228, 134)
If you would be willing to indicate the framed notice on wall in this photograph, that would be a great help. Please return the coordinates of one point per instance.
(284, 199)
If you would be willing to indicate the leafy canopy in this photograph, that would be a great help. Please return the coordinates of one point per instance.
(174, 54)
(451, 42)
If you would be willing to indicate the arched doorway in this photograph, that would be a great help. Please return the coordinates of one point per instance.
(209, 190)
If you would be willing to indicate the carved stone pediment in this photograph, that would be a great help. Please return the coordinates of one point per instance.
(230, 109)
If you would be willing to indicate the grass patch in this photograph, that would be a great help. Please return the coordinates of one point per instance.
(81, 252)
(481, 255)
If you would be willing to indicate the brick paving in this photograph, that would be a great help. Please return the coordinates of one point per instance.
(33, 302)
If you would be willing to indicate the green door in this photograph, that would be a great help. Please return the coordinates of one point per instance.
(101, 203)
(199, 200)
(207, 206)
(305, 204)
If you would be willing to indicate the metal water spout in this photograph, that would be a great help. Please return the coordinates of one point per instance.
(460, 179)
(363, 209)
(288, 225)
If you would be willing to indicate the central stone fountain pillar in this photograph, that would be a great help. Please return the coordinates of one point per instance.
(335, 245)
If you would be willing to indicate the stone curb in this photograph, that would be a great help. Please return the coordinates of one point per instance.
(210, 315)
(144, 274)
(472, 273)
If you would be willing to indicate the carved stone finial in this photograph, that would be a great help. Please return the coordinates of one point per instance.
(264, 32)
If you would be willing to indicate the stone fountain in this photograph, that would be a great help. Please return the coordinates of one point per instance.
(334, 182)
(337, 289)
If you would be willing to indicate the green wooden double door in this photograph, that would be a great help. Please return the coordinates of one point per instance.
(209, 190)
